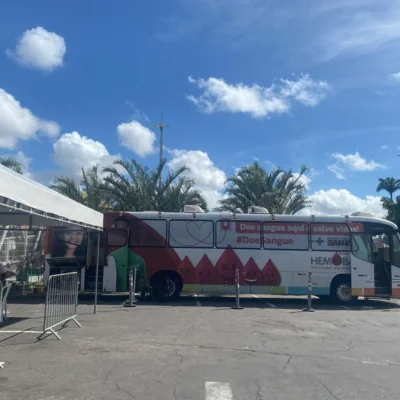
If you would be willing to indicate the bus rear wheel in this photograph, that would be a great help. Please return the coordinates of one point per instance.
(166, 286)
(341, 292)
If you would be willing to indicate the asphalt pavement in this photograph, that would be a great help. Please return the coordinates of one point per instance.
(200, 348)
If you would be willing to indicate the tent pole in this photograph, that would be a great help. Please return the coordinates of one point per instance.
(97, 273)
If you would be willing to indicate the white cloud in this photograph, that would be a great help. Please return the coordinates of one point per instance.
(25, 162)
(23, 159)
(137, 114)
(339, 172)
(384, 147)
(395, 77)
(209, 179)
(137, 138)
(357, 27)
(356, 163)
(342, 202)
(73, 151)
(40, 49)
(18, 123)
(258, 101)
(236, 21)
(304, 179)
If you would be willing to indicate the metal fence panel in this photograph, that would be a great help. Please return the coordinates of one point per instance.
(22, 253)
(61, 301)
(4, 290)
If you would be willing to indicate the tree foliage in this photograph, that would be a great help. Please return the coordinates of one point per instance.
(92, 190)
(280, 191)
(11, 163)
(390, 185)
(392, 206)
(135, 187)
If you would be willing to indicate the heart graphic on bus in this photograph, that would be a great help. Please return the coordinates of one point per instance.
(200, 231)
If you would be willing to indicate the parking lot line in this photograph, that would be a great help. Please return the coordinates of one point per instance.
(266, 302)
(198, 304)
(218, 391)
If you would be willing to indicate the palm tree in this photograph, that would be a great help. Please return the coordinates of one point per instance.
(280, 192)
(135, 187)
(92, 192)
(389, 184)
(393, 209)
(12, 163)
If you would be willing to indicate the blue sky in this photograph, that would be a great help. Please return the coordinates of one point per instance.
(287, 83)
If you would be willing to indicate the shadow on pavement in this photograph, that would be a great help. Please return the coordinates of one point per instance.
(275, 303)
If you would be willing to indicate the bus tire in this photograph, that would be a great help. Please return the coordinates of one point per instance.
(166, 286)
(341, 291)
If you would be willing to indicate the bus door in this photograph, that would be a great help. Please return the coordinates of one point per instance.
(395, 259)
(382, 263)
(117, 253)
(371, 274)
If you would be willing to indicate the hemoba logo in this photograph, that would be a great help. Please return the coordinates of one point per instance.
(335, 260)
(338, 242)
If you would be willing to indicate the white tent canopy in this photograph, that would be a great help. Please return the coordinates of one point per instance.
(26, 202)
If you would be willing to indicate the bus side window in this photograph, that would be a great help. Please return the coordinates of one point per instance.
(361, 246)
(117, 238)
(396, 250)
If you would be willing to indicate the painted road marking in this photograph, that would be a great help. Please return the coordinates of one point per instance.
(198, 304)
(2, 364)
(218, 391)
(266, 302)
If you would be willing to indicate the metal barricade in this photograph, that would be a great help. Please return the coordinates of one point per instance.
(4, 290)
(61, 302)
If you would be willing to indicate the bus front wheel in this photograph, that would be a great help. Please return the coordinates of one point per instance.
(341, 291)
(166, 286)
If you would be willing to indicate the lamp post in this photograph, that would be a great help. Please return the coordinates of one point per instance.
(161, 127)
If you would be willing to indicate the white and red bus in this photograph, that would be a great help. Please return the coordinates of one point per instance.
(197, 252)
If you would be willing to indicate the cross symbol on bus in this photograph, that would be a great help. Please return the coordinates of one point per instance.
(319, 241)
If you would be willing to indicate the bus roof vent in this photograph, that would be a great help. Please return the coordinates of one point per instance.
(238, 211)
(189, 208)
(361, 214)
(257, 210)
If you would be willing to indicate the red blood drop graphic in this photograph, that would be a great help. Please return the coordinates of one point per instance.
(225, 267)
(252, 273)
(206, 273)
(336, 259)
(187, 271)
(270, 274)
